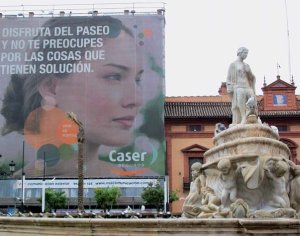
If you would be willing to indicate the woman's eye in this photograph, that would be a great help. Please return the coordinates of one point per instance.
(116, 77)
(138, 79)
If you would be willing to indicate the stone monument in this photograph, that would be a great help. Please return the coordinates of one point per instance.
(248, 172)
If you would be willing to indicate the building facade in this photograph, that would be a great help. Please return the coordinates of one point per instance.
(190, 124)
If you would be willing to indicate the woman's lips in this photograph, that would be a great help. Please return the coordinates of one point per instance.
(126, 122)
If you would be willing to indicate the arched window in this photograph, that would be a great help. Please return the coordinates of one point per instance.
(293, 148)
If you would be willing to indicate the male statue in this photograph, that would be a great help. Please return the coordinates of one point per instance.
(240, 86)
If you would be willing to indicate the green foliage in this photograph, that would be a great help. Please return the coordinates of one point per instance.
(159, 165)
(4, 171)
(106, 197)
(153, 117)
(155, 67)
(153, 194)
(54, 200)
(173, 196)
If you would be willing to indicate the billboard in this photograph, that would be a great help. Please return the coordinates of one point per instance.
(107, 70)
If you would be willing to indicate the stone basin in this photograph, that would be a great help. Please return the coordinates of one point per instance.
(19, 226)
(255, 139)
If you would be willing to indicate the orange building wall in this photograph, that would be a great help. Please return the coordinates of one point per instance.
(294, 127)
(297, 140)
(178, 128)
(209, 128)
(290, 97)
(180, 140)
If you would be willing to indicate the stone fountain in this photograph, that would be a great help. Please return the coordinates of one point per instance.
(248, 172)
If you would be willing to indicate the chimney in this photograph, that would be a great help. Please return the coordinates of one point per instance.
(223, 89)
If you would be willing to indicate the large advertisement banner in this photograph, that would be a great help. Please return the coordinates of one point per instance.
(107, 70)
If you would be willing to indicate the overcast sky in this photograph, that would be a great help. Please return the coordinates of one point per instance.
(202, 37)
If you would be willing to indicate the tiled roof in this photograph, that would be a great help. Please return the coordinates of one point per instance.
(197, 109)
(279, 113)
(198, 99)
(217, 98)
(175, 107)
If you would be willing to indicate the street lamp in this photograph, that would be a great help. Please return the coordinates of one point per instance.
(12, 167)
(43, 189)
(81, 143)
(23, 177)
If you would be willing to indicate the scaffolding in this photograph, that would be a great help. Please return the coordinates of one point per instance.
(94, 9)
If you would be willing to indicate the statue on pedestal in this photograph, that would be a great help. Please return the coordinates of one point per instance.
(240, 86)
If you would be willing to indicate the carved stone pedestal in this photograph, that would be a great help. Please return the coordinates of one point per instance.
(259, 162)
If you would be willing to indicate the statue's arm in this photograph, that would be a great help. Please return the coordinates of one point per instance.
(250, 77)
(230, 79)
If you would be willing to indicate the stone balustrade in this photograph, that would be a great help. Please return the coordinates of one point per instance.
(22, 226)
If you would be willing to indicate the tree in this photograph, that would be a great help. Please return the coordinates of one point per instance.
(106, 197)
(54, 200)
(153, 194)
(4, 171)
(173, 196)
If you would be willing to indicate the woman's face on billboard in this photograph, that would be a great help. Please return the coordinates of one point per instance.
(106, 101)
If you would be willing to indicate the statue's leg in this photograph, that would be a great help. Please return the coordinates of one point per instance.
(234, 109)
(235, 112)
(233, 194)
(281, 202)
(224, 197)
(242, 104)
(239, 117)
(237, 106)
(243, 115)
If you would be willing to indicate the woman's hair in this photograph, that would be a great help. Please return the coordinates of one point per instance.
(22, 94)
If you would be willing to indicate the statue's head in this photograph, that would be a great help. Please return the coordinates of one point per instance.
(281, 167)
(276, 167)
(196, 166)
(224, 166)
(196, 169)
(242, 52)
